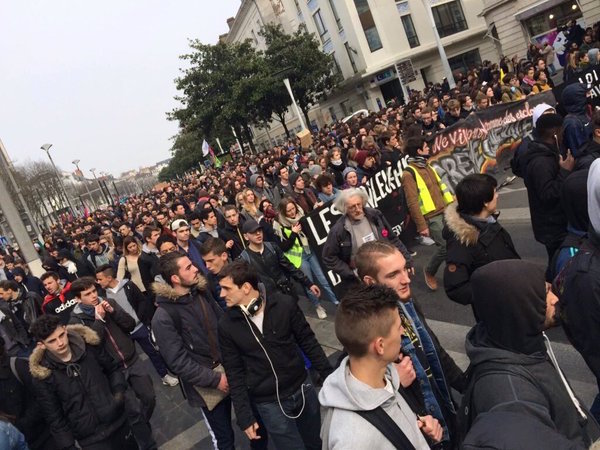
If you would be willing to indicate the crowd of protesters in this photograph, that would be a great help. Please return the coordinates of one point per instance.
(205, 275)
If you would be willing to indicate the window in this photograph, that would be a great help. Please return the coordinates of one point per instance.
(319, 23)
(368, 25)
(411, 33)
(337, 70)
(545, 21)
(335, 15)
(449, 18)
(351, 57)
(465, 61)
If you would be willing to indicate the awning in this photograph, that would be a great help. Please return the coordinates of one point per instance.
(537, 8)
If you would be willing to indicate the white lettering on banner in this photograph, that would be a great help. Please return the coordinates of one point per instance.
(334, 278)
(384, 182)
(65, 306)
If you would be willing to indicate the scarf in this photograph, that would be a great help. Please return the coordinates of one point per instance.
(286, 222)
(418, 161)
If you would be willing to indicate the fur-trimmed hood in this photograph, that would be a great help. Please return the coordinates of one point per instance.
(166, 291)
(466, 233)
(79, 336)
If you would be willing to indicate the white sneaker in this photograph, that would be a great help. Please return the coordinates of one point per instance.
(321, 314)
(424, 240)
(170, 380)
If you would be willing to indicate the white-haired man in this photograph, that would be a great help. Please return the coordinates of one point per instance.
(358, 224)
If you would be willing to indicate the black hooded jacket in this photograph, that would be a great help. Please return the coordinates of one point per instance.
(544, 180)
(510, 368)
(577, 128)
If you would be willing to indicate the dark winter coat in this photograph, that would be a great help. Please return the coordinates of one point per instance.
(577, 129)
(17, 398)
(230, 233)
(14, 328)
(285, 334)
(588, 153)
(30, 283)
(337, 251)
(511, 368)
(471, 244)
(113, 331)
(544, 180)
(187, 352)
(580, 301)
(81, 400)
(148, 265)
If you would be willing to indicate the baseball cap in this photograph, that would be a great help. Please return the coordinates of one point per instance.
(177, 224)
(250, 226)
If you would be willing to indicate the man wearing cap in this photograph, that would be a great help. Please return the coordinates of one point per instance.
(189, 246)
(274, 269)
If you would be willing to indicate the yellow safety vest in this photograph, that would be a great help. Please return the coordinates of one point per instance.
(294, 254)
(425, 201)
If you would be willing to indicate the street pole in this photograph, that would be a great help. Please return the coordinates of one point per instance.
(438, 41)
(46, 148)
(6, 167)
(100, 186)
(11, 213)
(286, 81)
(238, 142)
(87, 188)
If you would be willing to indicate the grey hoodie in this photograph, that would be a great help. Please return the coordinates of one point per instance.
(342, 394)
(593, 187)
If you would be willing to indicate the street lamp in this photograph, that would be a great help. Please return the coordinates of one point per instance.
(93, 170)
(87, 188)
(46, 148)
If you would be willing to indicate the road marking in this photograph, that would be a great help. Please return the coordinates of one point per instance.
(515, 215)
(504, 191)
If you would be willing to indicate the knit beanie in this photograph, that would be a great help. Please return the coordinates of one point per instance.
(315, 171)
(293, 178)
(347, 170)
(361, 157)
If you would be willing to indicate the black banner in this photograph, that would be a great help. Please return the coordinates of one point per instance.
(384, 190)
(473, 145)
(484, 141)
(590, 77)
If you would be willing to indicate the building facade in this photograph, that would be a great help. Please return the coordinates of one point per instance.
(367, 38)
(516, 23)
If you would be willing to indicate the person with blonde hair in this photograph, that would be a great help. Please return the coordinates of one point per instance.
(249, 204)
(128, 264)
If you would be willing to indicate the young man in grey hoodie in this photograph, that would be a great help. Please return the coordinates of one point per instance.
(368, 325)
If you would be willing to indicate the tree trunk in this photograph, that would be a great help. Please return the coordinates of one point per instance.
(281, 119)
(240, 137)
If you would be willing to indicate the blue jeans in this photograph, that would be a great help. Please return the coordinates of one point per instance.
(294, 434)
(311, 268)
(142, 337)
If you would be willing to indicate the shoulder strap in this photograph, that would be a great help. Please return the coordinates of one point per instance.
(386, 425)
(13, 368)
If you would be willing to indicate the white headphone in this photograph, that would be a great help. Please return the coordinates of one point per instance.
(258, 303)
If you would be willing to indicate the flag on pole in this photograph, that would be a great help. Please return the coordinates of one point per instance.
(205, 148)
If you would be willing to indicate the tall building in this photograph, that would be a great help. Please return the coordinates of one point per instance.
(515, 23)
(367, 38)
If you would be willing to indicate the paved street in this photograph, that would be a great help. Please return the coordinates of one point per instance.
(178, 427)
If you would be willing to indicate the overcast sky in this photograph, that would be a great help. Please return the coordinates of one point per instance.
(96, 78)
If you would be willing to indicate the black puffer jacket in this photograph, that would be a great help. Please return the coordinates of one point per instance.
(113, 331)
(82, 399)
(471, 244)
(580, 301)
(285, 332)
(187, 351)
(544, 179)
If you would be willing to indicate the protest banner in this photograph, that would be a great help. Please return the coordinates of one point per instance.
(472, 145)
(384, 192)
(485, 140)
(590, 77)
